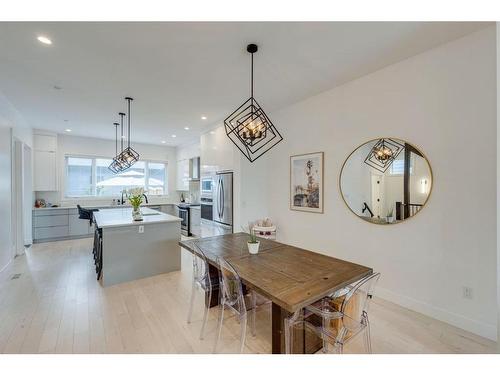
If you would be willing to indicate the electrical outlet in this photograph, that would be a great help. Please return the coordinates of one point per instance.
(141, 228)
(467, 292)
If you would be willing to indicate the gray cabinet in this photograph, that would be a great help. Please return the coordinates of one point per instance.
(57, 224)
(50, 224)
(78, 227)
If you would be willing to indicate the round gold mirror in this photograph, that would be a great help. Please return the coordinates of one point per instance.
(386, 181)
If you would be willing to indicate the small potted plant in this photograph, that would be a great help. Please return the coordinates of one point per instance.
(390, 215)
(135, 196)
(252, 243)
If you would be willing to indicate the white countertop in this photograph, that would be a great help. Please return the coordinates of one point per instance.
(120, 217)
(104, 205)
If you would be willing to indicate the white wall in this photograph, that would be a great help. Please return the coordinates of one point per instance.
(498, 185)
(73, 145)
(444, 102)
(5, 197)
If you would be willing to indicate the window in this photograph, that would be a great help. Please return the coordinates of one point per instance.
(78, 177)
(397, 167)
(90, 177)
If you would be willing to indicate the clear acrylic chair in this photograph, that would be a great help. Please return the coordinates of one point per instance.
(201, 279)
(341, 318)
(232, 298)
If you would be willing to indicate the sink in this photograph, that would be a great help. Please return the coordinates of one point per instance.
(150, 213)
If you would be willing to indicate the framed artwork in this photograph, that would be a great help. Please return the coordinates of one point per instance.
(306, 182)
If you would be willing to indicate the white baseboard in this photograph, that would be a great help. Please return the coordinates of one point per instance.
(4, 267)
(479, 328)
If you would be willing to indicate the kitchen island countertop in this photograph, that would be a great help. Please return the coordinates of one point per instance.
(120, 217)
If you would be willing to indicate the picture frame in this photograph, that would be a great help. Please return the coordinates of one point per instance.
(307, 182)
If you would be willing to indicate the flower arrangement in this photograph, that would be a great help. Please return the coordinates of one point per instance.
(135, 196)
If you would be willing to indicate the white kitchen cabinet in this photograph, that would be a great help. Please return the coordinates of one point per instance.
(216, 151)
(45, 171)
(45, 162)
(43, 142)
(183, 175)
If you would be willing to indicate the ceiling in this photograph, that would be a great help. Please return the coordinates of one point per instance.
(178, 72)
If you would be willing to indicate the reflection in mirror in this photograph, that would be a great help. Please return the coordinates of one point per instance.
(386, 181)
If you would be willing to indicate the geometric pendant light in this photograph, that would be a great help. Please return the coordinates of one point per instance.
(115, 165)
(249, 128)
(383, 153)
(128, 156)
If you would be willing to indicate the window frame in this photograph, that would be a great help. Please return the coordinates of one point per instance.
(94, 176)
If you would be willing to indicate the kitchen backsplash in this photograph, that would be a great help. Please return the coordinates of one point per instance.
(54, 197)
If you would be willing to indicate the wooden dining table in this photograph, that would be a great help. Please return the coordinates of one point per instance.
(291, 277)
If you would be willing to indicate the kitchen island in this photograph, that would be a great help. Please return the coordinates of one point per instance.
(129, 250)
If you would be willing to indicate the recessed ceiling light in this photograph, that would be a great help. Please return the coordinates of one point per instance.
(203, 117)
(212, 132)
(44, 39)
(67, 130)
(163, 142)
(173, 136)
(186, 128)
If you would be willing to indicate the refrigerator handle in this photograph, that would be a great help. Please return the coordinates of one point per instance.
(218, 196)
(222, 197)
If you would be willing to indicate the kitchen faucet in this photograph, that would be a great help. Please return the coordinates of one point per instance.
(145, 197)
(122, 201)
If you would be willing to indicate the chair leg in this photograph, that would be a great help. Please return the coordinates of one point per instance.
(368, 341)
(219, 327)
(243, 332)
(205, 315)
(254, 313)
(191, 303)
(340, 348)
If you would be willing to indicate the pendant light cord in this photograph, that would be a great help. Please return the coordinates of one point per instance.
(116, 138)
(121, 121)
(128, 100)
(251, 79)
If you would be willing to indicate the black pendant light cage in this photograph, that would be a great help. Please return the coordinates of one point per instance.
(383, 154)
(127, 156)
(115, 165)
(249, 127)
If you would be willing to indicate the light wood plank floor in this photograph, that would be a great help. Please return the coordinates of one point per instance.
(57, 306)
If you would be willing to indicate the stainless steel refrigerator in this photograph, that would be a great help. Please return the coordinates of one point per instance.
(223, 199)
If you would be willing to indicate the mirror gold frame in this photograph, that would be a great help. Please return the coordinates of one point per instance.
(375, 140)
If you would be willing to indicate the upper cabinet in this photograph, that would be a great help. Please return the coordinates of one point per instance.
(216, 151)
(183, 175)
(45, 162)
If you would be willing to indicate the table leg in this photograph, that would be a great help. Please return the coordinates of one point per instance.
(278, 331)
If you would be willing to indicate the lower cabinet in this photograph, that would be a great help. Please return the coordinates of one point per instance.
(79, 227)
(61, 224)
(195, 221)
(52, 225)
(49, 233)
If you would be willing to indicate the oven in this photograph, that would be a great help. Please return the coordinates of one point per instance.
(206, 208)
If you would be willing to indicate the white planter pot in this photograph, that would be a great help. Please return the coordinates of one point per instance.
(253, 248)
